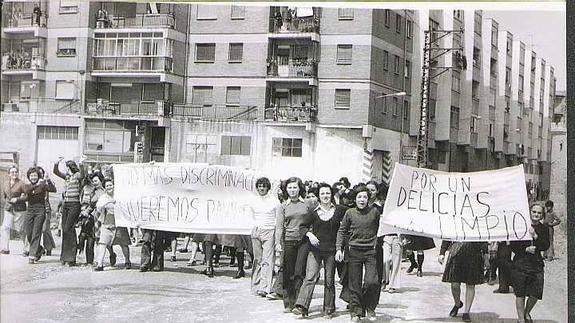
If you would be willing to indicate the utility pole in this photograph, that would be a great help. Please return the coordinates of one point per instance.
(432, 37)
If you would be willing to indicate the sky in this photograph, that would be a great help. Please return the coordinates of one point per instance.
(546, 30)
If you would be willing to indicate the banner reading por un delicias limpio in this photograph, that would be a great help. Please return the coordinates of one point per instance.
(184, 197)
(480, 206)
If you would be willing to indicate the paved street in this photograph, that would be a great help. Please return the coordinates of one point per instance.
(48, 292)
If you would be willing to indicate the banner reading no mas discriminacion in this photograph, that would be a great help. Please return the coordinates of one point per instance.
(185, 197)
(480, 206)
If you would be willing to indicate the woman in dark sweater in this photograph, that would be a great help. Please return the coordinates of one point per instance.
(527, 271)
(292, 224)
(36, 193)
(359, 227)
(464, 265)
(325, 223)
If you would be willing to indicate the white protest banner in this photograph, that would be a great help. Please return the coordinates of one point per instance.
(184, 197)
(481, 206)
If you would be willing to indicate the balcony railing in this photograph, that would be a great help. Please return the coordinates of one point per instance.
(291, 113)
(107, 108)
(290, 24)
(43, 105)
(215, 112)
(22, 61)
(292, 69)
(105, 20)
(133, 64)
(20, 20)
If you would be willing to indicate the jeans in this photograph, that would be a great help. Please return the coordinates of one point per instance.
(33, 224)
(152, 256)
(263, 266)
(47, 238)
(392, 256)
(70, 214)
(295, 259)
(382, 274)
(314, 260)
(366, 295)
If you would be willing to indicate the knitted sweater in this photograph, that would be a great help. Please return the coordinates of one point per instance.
(360, 226)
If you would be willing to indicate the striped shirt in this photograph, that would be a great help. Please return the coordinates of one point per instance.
(72, 192)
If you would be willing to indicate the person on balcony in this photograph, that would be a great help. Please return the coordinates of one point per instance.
(37, 12)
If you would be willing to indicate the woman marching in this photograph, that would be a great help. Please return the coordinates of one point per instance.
(325, 221)
(464, 265)
(359, 227)
(292, 225)
(14, 193)
(70, 210)
(109, 233)
(36, 195)
(527, 272)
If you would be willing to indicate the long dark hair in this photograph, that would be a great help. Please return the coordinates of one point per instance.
(299, 184)
(31, 170)
(73, 166)
(326, 185)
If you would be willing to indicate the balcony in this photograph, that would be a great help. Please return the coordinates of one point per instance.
(43, 105)
(24, 63)
(291, 113)
(24, 18)
(140, 108)
(133, 67)
(105, 20)
(215, 112)
(299, 23)
(292, 69)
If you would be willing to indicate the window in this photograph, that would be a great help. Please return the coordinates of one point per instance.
(494, 35)
(473, 124)
(205, 53)
(509, 45)
(507, 103)
(433, 26)
(236, 52)
(405, 109)
(300, 52)
(58, 133)
(345, 13)
(66, 47)
(110, 136)
(458, 14)
(477, 23)
(342, 98)
(396, 67)
(398, 23)
(476, 57)
(521, 80)
(286, 147)
(233, 96)
(199, 147)
(385, 60)
(205, 12)
(407, 69)
(409, 28)
(344, 53)
(454, 118)
(65, 90)
(491, 130)
(387, 17)
(238, 12)
(395, 106)
(456, 81)
(202, 96)
(236, 145)
(508, 77)
(68, 6)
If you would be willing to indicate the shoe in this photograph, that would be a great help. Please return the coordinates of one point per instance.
(191, 264)
(31, 261)
(99, 268)
(455, 309)
(501, 291)
(528, 318)
(391, 290)
(48, 252)
(143, 269)
(261, 293)
(465, 317)
(4, 252)
(410, 269)
(272, 296)
(419, 273)
(355, 319)
(182, 250)
(157, 269)
(173, 258)
(25, 254)
(297, 310)
(209, 272)
(329, 315)
(288, 309)
(371, 315)
(128, 265)
(112, 259)
(240, 274)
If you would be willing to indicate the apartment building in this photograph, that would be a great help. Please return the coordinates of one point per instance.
(308, 91)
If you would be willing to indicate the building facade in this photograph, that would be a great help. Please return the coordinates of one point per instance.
(315, 92)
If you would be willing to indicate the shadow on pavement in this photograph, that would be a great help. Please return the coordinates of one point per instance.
(484, 317)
